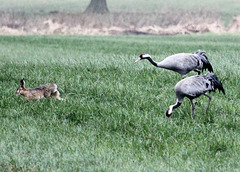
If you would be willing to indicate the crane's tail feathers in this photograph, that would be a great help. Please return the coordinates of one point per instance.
(205, 61)
(216, 83)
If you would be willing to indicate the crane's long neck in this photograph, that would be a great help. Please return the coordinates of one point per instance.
(153, 62)
(175, 105)
(172, 107)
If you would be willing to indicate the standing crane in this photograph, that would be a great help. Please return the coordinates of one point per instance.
(193, 87)
(182, 63)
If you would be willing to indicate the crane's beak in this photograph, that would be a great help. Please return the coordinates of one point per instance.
(137, 60)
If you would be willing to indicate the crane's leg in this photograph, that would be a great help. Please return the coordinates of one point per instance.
(198, 72)
(210, 98)
(193, 107)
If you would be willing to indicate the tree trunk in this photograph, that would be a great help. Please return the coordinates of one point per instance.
(97, 6)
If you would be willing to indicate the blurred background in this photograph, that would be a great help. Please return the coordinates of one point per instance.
(109, 17)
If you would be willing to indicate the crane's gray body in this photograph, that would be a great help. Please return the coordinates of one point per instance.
(182, 63)
(192, 87)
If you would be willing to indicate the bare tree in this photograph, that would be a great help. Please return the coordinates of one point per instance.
(97, 6)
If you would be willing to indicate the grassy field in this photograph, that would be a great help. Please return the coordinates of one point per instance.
(113, 116)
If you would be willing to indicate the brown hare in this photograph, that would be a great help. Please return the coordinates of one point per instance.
(47, 90)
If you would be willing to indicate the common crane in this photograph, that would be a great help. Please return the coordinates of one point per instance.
(193, 87)
(182, 63)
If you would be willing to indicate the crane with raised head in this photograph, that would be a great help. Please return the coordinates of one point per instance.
(182, 63)
(193, 87)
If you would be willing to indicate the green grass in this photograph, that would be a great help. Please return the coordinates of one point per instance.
(113, 116)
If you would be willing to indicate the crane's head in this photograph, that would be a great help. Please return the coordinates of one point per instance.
(142, 57)
(169, 111)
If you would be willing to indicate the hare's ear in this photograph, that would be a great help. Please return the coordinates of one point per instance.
(22, 83)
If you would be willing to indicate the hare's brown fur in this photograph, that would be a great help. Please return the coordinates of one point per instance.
(47, 90)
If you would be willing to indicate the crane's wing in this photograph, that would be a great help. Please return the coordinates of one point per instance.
(206, 64)
(215, 82)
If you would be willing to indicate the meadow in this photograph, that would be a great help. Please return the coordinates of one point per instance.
(113, 116)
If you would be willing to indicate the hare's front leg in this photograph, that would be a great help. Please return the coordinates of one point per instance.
(58, 96)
